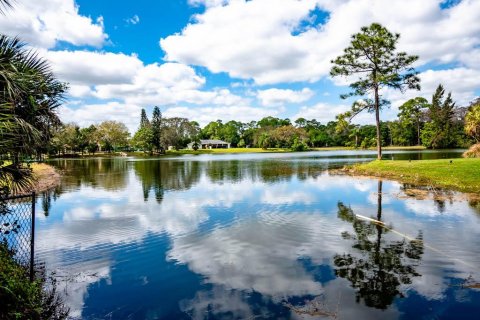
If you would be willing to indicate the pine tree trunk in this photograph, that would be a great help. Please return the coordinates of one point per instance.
(377, 118)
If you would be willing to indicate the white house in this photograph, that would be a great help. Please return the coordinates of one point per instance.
(210, 144)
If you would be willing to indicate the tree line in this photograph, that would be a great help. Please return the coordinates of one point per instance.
(434, 124)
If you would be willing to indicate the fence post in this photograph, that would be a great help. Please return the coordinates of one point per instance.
(32, 238)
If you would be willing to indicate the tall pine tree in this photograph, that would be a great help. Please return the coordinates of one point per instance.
(157, 129)
(144, 122)
(373, 59)
(439, 132)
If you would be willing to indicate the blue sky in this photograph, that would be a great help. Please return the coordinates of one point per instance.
(237, 59)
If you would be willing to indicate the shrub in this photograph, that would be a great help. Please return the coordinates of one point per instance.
(473, 151)
(22, 299)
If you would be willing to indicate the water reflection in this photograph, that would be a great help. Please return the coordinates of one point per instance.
(161, 176)
(108, 174)
(381, 265)
(195, 237)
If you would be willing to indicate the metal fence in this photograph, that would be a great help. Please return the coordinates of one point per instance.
(17, 228)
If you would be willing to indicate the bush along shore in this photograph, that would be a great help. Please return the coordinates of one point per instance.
(22, 299)
(455, 174)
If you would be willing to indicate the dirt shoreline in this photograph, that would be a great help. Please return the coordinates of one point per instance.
(46, 176)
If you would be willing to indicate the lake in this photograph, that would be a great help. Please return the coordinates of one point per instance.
(257, 236)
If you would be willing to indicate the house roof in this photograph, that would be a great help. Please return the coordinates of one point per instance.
(212, 142)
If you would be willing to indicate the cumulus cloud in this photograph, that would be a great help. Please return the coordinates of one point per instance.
(94, 68)
(239, 38)
(107, 76)
(44, 23)
(278, 97)
(87, 114)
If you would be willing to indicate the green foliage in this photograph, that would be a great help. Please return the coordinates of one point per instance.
(22, 299)
(178, 132)
(29, 97)
(273, 122)
(144, 122)
(411, 118)
(439, 131)
(112, 135)
(372, 57)
(156, 129)
(142, 140)
(472, 121)
(298, 145)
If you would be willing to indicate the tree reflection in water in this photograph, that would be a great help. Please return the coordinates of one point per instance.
(161, 176)
(378, 266)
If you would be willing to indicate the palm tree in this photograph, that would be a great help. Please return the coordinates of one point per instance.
(29, 97)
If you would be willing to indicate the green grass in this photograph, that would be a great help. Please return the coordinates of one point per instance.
(456, 174)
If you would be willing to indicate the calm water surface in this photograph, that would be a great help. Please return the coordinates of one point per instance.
(256, 236)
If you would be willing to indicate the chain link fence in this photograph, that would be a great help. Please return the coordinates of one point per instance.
(17, 227)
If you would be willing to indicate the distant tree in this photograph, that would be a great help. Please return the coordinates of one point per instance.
(412, 113)
(301, 122)
(112, 134)
(143, 138)
(212, 130)
(90, 135)
(156, 125)
(397, 133)
(372, 57)
(439, 131)
(144, 122)
(287, 136)
(178, 132)
(231, 132)
(472, 121)
(273, 122)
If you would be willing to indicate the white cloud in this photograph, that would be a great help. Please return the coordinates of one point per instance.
(107, 76)
(94, 68)
(133, 20)
(260, 40)
(278, 97)
(322, 112)
(85, 115)
(248, 40)
(44, 23)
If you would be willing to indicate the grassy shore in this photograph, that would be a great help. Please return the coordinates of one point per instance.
(456, 174)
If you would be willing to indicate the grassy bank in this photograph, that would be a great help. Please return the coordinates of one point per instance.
(456, 174)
